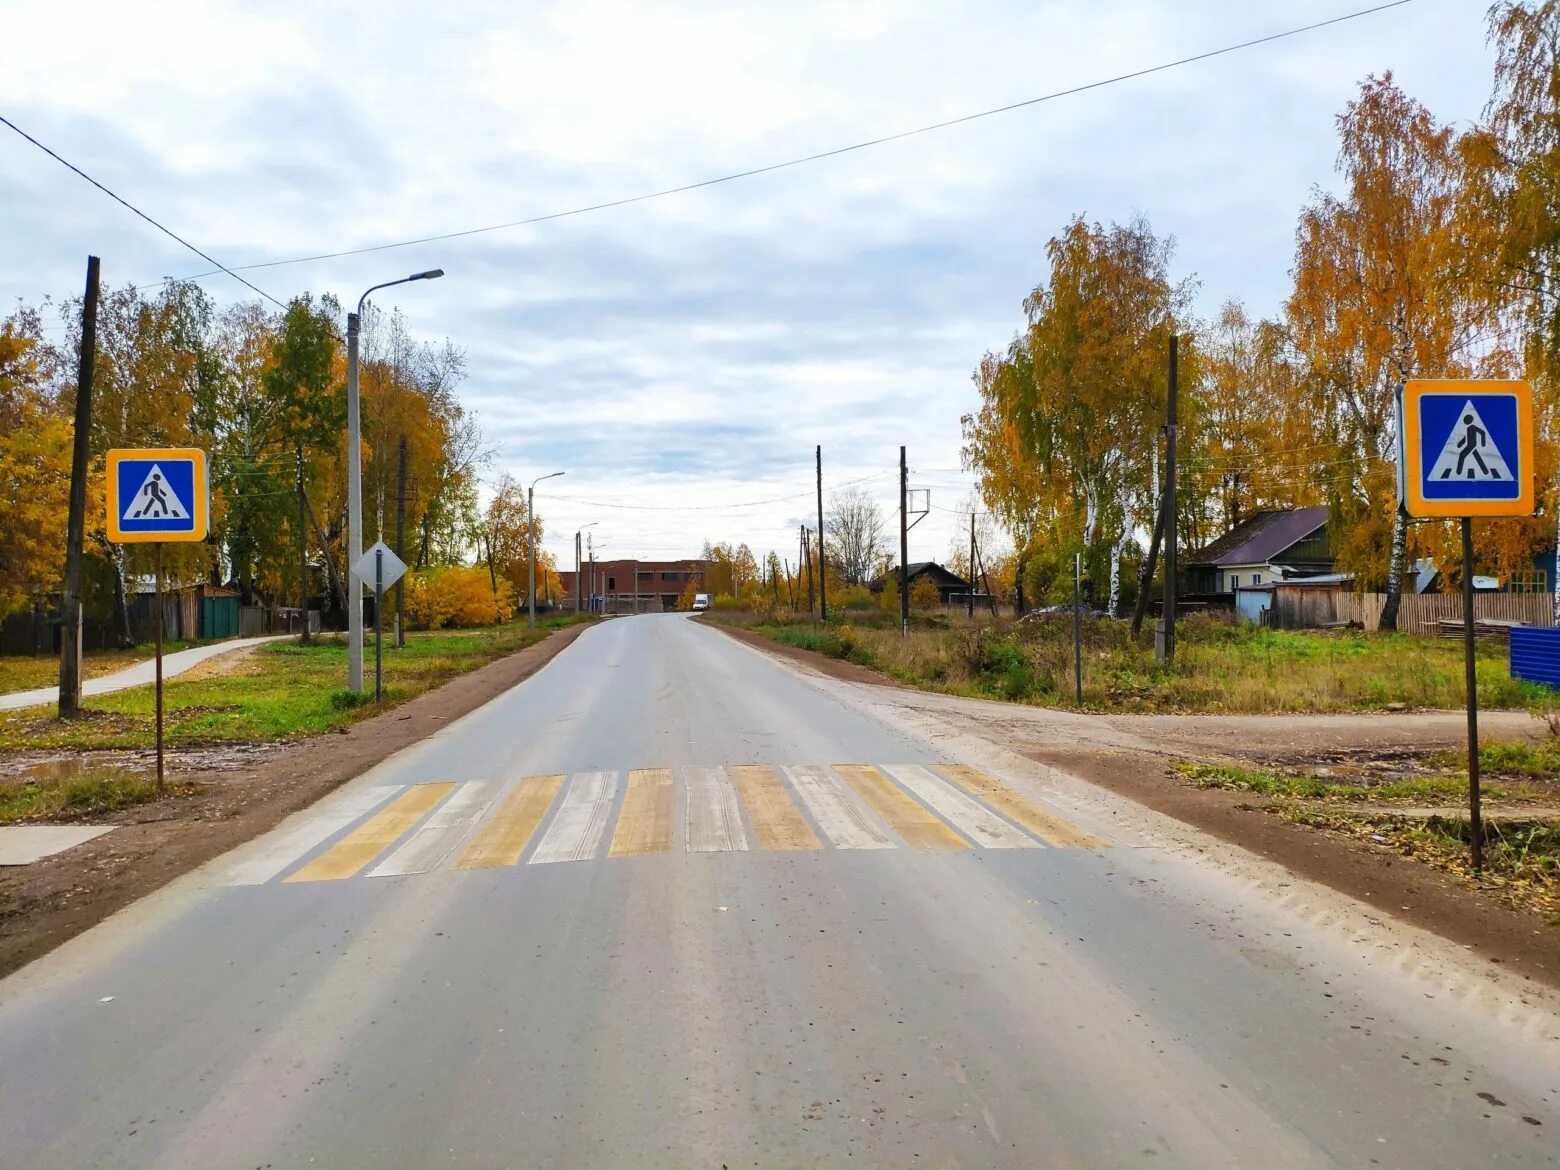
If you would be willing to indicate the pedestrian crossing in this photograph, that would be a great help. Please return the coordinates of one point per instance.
(395, 831)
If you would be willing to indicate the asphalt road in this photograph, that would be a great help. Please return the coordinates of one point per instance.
(671, 903)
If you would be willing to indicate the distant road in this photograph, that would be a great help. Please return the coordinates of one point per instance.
(140, 675)
(672, 903)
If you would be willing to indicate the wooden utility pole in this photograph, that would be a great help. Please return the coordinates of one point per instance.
(76, 519)
(904, 546)
(823, 599)
(972, 567)
(1166, 641)
(303, 547)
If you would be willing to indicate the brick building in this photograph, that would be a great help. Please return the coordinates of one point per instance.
(627, 586)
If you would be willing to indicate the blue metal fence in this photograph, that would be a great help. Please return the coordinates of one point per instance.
(1535, 655)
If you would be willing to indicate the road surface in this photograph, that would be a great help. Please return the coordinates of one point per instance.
(673, 903)
(142, 674)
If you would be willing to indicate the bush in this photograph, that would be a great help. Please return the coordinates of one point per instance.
(853, 597)
(454, 596)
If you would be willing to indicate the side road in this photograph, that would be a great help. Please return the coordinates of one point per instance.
(139, 675)
(50, 901)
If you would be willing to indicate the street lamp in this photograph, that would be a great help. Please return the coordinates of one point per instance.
(355, 487)
(578, 562)
(530, 511)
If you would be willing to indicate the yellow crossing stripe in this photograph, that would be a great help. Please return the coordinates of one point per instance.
(504, 838)
(366, 842)
(646, 824)
(776, 821)
(919, 827)
(1049, 827)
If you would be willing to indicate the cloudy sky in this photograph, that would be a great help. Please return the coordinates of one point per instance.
(680, 357)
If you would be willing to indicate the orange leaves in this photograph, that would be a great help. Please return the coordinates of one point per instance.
(456, 596)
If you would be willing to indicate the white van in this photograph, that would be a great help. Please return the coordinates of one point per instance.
(701, 602)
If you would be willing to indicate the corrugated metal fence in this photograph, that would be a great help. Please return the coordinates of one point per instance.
(1535, 656)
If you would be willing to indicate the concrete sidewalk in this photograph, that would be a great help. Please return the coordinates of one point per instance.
(140, 675)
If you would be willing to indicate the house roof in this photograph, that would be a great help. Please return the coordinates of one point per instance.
(922, 568)
(1260, 537)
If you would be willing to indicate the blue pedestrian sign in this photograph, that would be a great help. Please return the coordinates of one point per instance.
(1466, 448)
(157, 494)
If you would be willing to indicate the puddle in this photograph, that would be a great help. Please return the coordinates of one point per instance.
(53, 767)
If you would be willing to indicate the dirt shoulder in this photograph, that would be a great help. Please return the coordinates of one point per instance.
(50, 901)
(1134, 756)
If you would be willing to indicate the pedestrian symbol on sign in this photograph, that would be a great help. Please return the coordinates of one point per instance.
(1468, 453)
(153, 500)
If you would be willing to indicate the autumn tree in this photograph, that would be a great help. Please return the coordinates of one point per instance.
(1382, 293)
(35, 456)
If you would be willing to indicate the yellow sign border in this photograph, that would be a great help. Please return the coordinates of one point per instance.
(1413, 487)
(202, 493)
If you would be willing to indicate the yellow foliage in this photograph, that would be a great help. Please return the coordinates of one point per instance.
(456, 596)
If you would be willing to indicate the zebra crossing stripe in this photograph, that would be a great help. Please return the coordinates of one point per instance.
(972, 819)
(1046, 825)
(579, 830)
(366, 842)
(844, 822)
(451, 822)
(773, 814)
(713, 823)
(508, 831)
(645, 824)
(919, 828)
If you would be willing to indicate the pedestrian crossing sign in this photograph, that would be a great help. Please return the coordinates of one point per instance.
(1465, 448)
(157, 494)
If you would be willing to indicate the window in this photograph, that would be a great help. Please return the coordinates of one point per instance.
(612, 584)
(1256, 578)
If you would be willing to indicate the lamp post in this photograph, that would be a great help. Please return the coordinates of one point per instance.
(579, 561)
(530, 513)
(355, 487)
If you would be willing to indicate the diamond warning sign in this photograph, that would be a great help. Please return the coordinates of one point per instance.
(157, 494)
(1466, 448)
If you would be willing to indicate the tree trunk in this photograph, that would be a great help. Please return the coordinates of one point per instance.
(1115, 572)
(121, 600)
(1389, 612)
(1018, 585)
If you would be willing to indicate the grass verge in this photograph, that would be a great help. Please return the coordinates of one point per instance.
(277, 691)
(1521, 855)
(79, 797)
(1220, 666)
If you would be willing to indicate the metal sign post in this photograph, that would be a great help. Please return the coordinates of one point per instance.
(158, 626)
(157, 495)
(1465, 449)
(380, 565)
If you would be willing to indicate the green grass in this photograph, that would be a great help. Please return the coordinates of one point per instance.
(78, 797)
(1220, 666)
(1538, 760)
(1435, 789)
(278, 691)
(27, 672)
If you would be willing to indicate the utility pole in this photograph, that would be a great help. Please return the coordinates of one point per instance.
(823, 599)
(303, 547)
(972, 568)
(400, 541)
(904, 546)
(75, 524)
(1166, 646)
(1077, 617)
(807, 557)
(579, 568)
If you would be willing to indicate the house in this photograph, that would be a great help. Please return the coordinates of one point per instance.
(1276, 545)
(951, 587)
(621, 585)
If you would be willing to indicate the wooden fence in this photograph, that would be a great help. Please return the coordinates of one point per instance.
(1300, 607)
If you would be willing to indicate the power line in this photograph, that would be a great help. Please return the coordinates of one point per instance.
(221, 267)
(823, 154)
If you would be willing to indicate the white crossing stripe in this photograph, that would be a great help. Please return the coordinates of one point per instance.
(428, 847)
(843, 821)
(579, 831)
(713, 822)
(273, 854)
(974, 820)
